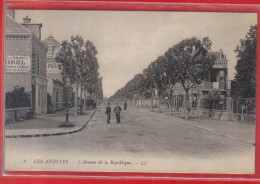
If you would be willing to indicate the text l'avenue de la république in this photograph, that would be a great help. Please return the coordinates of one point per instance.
(88, 162)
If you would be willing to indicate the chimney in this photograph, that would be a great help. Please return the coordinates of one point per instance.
(11, 13)
(34, 28)
(26, 20)
(221, 54)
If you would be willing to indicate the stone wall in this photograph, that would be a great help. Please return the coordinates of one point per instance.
(12, 115)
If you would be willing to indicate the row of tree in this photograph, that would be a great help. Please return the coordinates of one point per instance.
(79, 67)
(186, 63)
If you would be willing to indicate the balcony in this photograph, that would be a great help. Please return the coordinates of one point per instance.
(212, 85)
(220, 64)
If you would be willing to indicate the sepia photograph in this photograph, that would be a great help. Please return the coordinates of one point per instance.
(130, 91)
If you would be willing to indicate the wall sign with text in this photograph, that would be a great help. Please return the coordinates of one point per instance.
(17, 64)
(52, 68)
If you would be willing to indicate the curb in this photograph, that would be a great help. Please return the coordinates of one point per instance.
(53, 134)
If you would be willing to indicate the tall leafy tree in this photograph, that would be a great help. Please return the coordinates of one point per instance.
(245, 79)
(79, 64)
(171, 74)
(149, 82)
(65, 58)
(139, 87)
(90, 77)
(159, 76)
(193, 63)
(212, 100)
(187, 63)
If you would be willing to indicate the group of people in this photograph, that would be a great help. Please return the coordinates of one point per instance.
(117, 111)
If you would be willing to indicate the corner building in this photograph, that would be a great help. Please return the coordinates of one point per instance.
(25, 64)
(217, 79)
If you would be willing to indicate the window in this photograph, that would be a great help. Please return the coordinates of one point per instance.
(33, 62)
(38, 65)
(39, 96)
(43, 96)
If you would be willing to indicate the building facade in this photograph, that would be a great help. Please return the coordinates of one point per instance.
(58, 92)
(217, 80)
(25, 64)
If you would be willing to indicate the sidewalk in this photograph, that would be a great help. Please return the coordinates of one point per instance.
(236, 131)
(48, 124)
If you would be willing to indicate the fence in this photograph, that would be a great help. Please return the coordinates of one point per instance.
(243, 105)
(236, 109)
(243, 118)
(242, 109)
(147, 103)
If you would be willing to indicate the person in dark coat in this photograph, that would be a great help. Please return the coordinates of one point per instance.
(108, 113)
(117, 110)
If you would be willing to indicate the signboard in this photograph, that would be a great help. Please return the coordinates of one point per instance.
(18, 64)
(52, 68)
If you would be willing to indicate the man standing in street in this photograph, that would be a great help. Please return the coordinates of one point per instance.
(117, 110)
(108, 113)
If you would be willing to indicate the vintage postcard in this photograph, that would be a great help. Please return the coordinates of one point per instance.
(130, 91)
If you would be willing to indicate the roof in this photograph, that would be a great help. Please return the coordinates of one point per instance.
(51, 40)
(53, 46)
(14, 27)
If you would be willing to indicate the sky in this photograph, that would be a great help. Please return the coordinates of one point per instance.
(128, 41)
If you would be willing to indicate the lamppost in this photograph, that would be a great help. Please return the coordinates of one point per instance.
(67, 101)
(67, 123)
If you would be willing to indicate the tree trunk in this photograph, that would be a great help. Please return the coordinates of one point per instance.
(84, 105)
(80, 102)
(210, 109)
(138, 99)
(76, 100)
(141, 101)
(170, 103)
(198, 103)
(152, 101)
(159, 103)
(187, 101)
(90, 99)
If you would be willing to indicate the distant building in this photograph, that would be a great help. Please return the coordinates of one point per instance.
(217, 79)
(25, 64)
(52, 66)
(57, 91)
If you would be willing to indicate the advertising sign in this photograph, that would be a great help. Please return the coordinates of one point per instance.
(52, 68)
(17, 64)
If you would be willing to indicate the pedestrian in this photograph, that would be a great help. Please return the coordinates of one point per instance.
(117, 110)
(108, 113)
(125, 106)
